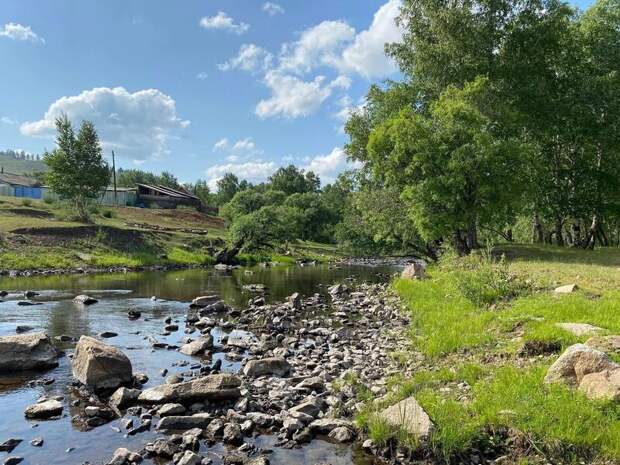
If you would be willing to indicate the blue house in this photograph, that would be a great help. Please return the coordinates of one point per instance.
(15, 185)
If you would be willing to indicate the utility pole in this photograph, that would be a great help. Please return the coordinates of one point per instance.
(114, 177)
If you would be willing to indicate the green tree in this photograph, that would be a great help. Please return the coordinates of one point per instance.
(263, 228)
(78, 172)
(228, 186)
(292, 180)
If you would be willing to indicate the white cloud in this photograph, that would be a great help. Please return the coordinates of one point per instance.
(224, 22)
(7, 120)
(202, 76)
(221, 144)
(139, 125)
(245, 145)
(293, 97)
(17, 31)
(317, 46)
(250, 58)
(253, 171)
(272, 9)
(366, 55)
(329, 166)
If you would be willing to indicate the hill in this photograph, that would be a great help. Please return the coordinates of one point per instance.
(21, 163)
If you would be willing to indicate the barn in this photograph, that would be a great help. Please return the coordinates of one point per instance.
(165, 197)
(15, 185)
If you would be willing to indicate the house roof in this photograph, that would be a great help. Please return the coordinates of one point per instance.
(18, 180)
(169, 191)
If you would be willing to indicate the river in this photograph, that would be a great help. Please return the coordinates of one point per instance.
(157, 295)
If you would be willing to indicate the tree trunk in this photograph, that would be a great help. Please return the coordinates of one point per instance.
(577, 241)
(472, 236)
(460, 243)
(539, 233)
(559, 239)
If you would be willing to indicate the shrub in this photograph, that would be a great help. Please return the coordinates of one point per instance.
(26, 202)
(107, 213)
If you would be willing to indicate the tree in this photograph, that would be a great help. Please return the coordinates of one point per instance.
(131, 177)
(456, 168)
(262, 228)
(201, 190)
(78, 171)
(291, 180)
(228, 186)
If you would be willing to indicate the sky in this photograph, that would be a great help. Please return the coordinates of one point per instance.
(195, 87)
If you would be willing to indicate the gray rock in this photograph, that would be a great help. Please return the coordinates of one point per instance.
(580, 329)
(199, 346)
(13, 460)
(213, 387)
(205, 301)
(99, 365)
(27, 352)
(410, 416)
(311, 406)
(604, 385)
(189, 458)
(232, 434)
(267, 366)
(167, 410)
(124, 456)
(607, 344)
(342, 434)
(124, 397)
(326, 425)
(84, 300)
(566, 289)
(177, 423)
(46, 409)
(416, 270)
(9, 445)
(37, 442)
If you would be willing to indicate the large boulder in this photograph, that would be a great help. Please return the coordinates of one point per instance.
(604, 385)
(45, 409)
(275, 366)
(100, 366)
(416, 270)
(27, 352)
(213, 387)
(199, 346)
(576, 362)
(205, 301)
(409, 416)
(84, 299)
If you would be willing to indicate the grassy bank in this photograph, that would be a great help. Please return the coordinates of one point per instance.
(485, 333)
(42, 235)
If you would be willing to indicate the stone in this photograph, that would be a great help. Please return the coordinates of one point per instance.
(410, 416)
(579, 329)
(213, 387)
(108, 334)
(416, 270)
(84, 300)
(566, 289)
(312, 406)
(342, 434)
(232, 434)
(124, 397)
(9, 445)
(604, 385)
(337, 290)
(295, 300)
(608, 344)
(14, 460)
(275, 366)
(162, 448)
(205, 301)
(23, 329)
(99, 365)
(46, 409)
(326, 425)
(124, 456)
(189, 458)
(167, 410)
(313, 383)
(576, 362)
(178, 423)
(37, 442)
(27, 352)
(199, 346)
(260, 460)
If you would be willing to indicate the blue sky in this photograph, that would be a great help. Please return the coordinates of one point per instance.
(195, 87)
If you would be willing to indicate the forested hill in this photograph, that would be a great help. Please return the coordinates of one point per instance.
(19, 162)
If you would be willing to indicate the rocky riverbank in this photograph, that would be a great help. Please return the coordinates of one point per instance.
(301, 366)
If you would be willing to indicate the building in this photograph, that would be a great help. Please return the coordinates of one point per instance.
(14, 185)
(125, 197)
(166, 197)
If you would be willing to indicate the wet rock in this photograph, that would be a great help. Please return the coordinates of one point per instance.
(124, 397)
(260, 460)
(313, 383)
(174, 379)
(84, 300)
(167, 410)
(312, 406)
(576, 362)
(37, 442)
(133, 314)
(27, 352)
(99, 365)
(579, 329)
(410, 416)
(23, 329)
(337, 290)
(212, 387)
(276, 366)
(604, 385)
(215, 429)
(124, 456)
(295, 300)
(189, 458)
(205, 301)
(14, 460)
(566, 289)
(199, 420)
(9, 445)
(199, 346)
(162, 448)
(416, 270)
(28, 303)
(326, 425)
(342, 434)
(108, 334)
(45, 409)
(232, 434)
(30, 294)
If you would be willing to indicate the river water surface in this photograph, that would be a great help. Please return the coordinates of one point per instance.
(157, 295)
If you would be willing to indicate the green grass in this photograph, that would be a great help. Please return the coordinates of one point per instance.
(188, 257)
(35, 259)
(469, 317)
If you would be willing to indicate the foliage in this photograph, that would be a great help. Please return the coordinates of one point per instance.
(262, 228)
(78, 171)
(131, 177)
(291, 180)
(228, 186)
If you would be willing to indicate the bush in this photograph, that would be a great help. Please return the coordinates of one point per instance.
(26, 202)
(49, 200)
(107, 213)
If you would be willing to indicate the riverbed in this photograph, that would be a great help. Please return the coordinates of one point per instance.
(157, 296)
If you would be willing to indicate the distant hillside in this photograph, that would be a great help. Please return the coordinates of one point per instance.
(21, 162)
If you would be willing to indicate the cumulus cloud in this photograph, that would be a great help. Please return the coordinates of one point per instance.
(366, 55)
(17, 31)
(250, 58)
(223, 22)
(329, 166)
(7, 120)
(272, 9)
(319, 45)
(139, 125)
(293, 97)
(253, 171)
